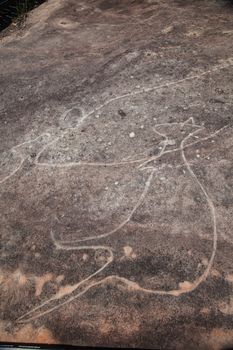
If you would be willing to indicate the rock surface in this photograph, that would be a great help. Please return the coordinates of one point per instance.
(116, 177)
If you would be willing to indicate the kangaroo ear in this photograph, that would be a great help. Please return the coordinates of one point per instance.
(189, 121)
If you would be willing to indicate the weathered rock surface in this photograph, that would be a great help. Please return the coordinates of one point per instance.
(116, 177)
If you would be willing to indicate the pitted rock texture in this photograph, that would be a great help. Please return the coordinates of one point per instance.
(116, 177)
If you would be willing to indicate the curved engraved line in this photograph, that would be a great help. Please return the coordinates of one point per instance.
(147, 185)
(14, 149)
(14, 171)
(63, 245)
(145, 159)
(131, 285)
(203, 277)
(103, 235)
(213, 214)
(56, 297)
(127, 282)
(106, 103)
(131, 94)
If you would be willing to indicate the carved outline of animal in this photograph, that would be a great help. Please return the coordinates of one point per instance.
(54, 302)
(61, 245)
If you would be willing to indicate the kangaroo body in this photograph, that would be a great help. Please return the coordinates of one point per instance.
(125, 214)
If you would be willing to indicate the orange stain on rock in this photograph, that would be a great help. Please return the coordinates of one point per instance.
(229, 278)
(68, 289)
(105, 327)
(128, 251)
(219, 338)
(60, 278)
(185, 286)
(19, 278)
(28, 334)
(15, 279)
(41, 281)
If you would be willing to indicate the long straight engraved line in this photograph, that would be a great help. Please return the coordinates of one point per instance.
(128, 162)
(204, 276)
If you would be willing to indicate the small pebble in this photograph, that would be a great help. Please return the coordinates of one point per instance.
(116, 183)
(198, 155)
(97, 116)
(142, 126)
(132, 135)
(85, 257)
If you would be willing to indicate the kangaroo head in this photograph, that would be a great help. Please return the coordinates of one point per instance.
(174, 133)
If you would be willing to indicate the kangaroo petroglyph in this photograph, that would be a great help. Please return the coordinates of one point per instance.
(96, 229)
(186, 130)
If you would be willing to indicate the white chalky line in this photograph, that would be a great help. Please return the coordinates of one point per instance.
(126, 162)
(139, 202)
(131, 285)
(228, 63)
(71, 245)
(22, 158)
(135, 93)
